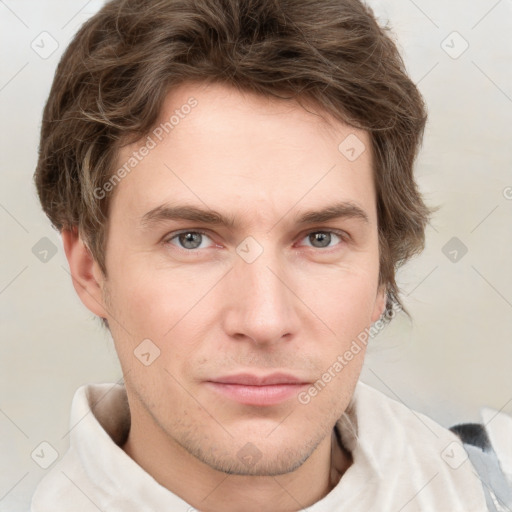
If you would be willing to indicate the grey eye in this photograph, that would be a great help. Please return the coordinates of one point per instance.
(190, 240)
(320, 239)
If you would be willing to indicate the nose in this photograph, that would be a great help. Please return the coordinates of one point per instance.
(262, 307)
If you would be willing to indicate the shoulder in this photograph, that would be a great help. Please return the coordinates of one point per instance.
(403, 451)
(98, 423)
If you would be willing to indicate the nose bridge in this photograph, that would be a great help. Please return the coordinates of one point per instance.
(262, 306)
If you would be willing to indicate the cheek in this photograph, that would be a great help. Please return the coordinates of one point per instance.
(167, 307)
(345, 306)
(344, 299)
(152, 301)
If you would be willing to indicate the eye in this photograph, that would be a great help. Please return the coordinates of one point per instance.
(194, 240)
(323, 239)
(189, 240)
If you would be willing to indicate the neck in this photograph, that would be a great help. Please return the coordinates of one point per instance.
(209, 490)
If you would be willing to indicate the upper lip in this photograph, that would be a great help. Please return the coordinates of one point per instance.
(247, 379)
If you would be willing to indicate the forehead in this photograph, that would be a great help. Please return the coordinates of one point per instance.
(220, 148)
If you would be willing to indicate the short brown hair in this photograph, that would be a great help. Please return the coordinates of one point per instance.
(112, 80)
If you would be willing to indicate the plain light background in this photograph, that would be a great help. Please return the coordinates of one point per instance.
(452, 359)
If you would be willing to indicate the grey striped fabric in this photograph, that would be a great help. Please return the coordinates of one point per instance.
(497, 490)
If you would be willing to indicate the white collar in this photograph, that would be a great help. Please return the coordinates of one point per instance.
(397, 462)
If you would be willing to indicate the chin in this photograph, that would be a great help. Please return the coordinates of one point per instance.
(256, 457)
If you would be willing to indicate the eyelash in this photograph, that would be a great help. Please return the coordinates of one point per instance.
(345, 237)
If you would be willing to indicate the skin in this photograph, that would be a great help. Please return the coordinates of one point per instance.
(261, 163)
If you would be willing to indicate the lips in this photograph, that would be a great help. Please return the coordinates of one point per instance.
(250, 389)
(247, 379)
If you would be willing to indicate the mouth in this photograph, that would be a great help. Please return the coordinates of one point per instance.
(249, 389)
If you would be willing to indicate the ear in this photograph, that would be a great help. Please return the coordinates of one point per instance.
(380, 303)
(85, 272)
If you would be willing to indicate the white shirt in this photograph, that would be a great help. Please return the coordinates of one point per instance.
(402, 462)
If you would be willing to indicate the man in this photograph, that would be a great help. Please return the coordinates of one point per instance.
(233, 181)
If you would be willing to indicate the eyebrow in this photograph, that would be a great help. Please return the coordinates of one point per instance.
(167, 212)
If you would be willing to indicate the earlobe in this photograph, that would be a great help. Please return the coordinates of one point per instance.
(86, 274)
(380, 303)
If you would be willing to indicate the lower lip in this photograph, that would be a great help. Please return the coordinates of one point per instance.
(257, 395)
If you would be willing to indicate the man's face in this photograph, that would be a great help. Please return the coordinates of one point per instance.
(280, 290)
